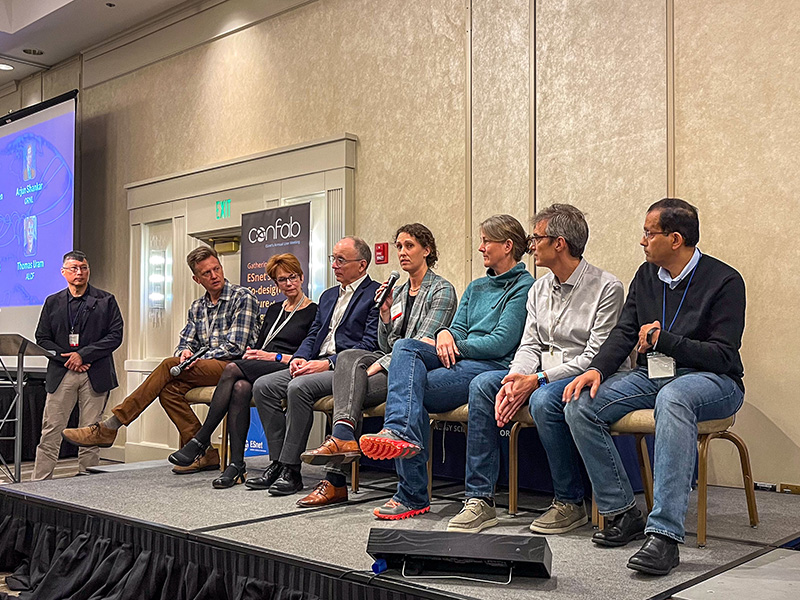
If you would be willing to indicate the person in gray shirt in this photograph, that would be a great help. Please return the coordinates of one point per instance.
(571, 310)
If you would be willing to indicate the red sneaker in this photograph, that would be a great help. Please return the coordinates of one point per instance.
(387, 445)
(394, 511)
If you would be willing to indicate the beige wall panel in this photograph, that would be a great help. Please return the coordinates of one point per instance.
(62, 78)
(30, 90)
(500, 112)
(737, 134)
(391, 72)
(601, 119)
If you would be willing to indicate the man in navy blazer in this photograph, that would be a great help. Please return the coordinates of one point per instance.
(83, 326)
(346, 318)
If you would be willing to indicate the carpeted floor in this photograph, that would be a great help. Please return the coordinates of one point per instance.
(337, 535)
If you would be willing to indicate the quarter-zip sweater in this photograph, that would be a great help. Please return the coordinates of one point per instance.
(491, 316)
(707, 332)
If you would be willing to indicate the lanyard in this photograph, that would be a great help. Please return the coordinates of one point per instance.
(74, 320)
(272, 332)
(555, 321)
(664, 302)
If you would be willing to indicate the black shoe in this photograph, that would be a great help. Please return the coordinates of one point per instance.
(288, 483)
(622, 528)
(657, 556)
(188, 454)
(232, 475)
(269, 477)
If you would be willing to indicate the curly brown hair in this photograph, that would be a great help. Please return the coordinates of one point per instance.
(425, 238)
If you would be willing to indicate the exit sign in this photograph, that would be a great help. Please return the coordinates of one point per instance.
(223, 209)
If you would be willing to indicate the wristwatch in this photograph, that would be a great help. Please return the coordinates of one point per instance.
(278, 357)
(330, 364)
(542, 378)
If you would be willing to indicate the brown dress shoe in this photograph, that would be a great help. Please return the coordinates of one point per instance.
(325, 493)
(333, 451)
(208, 462)
(95, 434)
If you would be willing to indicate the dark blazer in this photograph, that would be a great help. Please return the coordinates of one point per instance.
(359, 326)
(100, 329)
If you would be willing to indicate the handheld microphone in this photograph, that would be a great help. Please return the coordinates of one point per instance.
(178, 369)
(394, 276)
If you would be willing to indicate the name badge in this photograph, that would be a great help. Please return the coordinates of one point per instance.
(552, 358)
(397, 312)
(74, 340)
(660, 365)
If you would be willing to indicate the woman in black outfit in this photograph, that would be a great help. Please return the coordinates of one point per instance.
(285, 326)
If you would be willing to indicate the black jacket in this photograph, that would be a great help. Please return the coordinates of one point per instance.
(100, 328)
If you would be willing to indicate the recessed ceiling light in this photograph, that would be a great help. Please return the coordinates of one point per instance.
(6, 67)
(33, 51)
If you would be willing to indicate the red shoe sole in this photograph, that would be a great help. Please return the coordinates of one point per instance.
(387, 448)
(405, 515)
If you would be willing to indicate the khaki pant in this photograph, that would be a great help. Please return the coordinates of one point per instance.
(171, 392)
(75, 387)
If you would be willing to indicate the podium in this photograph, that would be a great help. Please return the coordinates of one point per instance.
(13, 344)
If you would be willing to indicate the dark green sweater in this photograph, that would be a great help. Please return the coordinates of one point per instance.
(706, 335)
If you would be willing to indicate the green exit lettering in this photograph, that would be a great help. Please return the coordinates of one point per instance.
(223, 209)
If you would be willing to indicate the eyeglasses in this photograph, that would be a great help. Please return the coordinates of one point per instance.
(339, 261)
(651, 234)
(290, 278)
(76, 270)
(539, 238)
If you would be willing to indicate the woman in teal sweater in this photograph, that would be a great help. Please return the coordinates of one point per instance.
(434, 376)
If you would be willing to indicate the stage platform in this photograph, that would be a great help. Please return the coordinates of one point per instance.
(331, 541)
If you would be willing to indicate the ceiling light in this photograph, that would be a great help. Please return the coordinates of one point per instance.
(33, 51)
(6, 67)
(110, 4)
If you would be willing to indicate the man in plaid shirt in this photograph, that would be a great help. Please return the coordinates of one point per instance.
(225, 321)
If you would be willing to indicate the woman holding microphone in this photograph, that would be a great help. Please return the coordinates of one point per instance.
(417, 309)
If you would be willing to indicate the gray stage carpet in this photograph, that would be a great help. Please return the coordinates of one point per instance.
(337, 535)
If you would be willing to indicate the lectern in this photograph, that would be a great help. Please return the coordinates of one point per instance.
(13, 344)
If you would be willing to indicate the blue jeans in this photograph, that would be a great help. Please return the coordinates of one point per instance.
(419, 384)
(679, 402)
(483, 438)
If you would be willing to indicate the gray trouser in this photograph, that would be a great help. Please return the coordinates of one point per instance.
(353, 390)
(75, 387)
(287, 432)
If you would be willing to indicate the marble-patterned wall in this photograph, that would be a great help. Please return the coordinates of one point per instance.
(501, 124)
(736, 139)
(600, 118)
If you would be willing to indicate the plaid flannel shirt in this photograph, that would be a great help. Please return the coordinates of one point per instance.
(227, 328)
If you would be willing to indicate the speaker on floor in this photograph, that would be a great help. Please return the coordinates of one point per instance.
(448, 553)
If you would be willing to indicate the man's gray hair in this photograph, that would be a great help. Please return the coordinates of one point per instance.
(362, 247)
(75, 255)
(564, 220)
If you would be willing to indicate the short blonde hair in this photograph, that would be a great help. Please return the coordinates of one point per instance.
(287, 262)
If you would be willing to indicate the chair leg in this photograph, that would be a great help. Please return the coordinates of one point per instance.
(598, 520)
(430, 460)
(223, 447)
(747, 475)
(513, 469)
(702, 489)
(645, 469)
(354, 474)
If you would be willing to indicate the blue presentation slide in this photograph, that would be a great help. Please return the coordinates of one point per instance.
(36, 205)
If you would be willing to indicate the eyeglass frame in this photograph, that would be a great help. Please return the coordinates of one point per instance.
(76, 270)
(650, 235)
(539, 238)
(292, 277)
(339, 261)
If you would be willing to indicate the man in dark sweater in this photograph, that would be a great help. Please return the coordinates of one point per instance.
(684, 315)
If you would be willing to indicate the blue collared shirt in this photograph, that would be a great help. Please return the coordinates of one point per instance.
(664, 275)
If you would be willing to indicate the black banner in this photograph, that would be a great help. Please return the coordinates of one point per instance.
(269, 232)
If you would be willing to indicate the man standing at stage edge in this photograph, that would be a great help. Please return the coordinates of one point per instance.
(83, 326)
(685, 317)
(224, 320)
